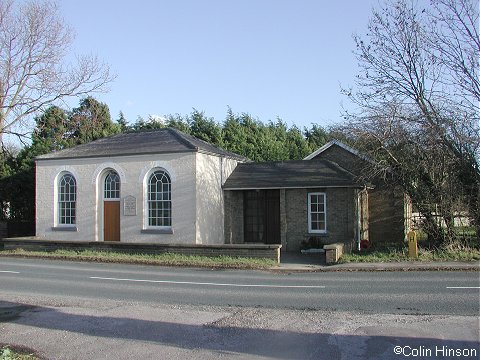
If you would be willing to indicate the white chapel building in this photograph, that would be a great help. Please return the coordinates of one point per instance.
(159, 186)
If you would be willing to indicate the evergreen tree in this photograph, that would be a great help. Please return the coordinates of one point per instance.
(316, 137)
(90, 121)
(178, 122)
(296, 144)
(52, 130)
(122, 122)
(205, 128)
(55, 130)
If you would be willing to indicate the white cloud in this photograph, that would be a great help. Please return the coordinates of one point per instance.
(158, 118)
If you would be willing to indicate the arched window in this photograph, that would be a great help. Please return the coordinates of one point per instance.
(67, 198)
(159, 199)
(112, 186)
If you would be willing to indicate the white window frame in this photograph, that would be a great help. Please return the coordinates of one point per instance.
(60, 202)
(148, 201)
(111, 187)
(310, 212)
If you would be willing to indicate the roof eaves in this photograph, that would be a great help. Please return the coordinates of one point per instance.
(113, 155)
(293, 187)
(225, 154)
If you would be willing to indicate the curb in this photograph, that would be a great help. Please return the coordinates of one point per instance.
(379, 269)
(382, 267)
(350, 267)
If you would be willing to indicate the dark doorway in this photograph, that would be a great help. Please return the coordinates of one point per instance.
(262, 216)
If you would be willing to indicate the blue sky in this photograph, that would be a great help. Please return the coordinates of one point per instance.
(269, 58)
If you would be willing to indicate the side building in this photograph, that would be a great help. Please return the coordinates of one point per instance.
(389, 208)
(320, 200)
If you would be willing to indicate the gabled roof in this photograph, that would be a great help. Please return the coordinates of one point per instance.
(290, 174)
(340, 144)
(161, 141)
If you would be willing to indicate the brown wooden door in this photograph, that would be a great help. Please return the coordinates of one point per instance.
(111, 220)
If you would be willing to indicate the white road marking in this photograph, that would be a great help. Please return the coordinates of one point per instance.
(9, 272)
(463, 287)
(212, 284)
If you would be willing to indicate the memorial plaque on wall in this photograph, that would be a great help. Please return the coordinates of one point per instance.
(130, 206)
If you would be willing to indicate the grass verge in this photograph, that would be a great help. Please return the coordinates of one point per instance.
(11, 353)
(166, 259)
(395, 254)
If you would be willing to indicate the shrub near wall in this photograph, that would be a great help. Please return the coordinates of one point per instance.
(3, 230)
(20, 228)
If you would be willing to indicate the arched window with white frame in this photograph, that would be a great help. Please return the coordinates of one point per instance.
(159, 200)
(67, 199)
(111, 185)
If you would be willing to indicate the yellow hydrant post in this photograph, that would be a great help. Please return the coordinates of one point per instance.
(412, 244)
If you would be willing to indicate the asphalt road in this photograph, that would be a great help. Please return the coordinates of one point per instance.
(417, 293)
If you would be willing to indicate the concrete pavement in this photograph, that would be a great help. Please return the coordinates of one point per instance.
(386, 266)
(299, 262)
(72, 329)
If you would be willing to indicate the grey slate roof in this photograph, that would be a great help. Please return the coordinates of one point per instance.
(290, 174)
(339, 144)
(161, 141)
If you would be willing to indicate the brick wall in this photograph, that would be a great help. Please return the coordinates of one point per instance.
(233, 217)
(254, 251)
(344, 158)
(341, 217)
(386, 206)
(386, 221)
(283, 219)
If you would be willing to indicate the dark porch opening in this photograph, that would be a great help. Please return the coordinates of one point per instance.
(262, 216)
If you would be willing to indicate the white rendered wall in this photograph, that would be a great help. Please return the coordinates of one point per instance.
(212, 171)
(133, 171)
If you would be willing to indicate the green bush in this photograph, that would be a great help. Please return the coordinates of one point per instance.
(6, 353)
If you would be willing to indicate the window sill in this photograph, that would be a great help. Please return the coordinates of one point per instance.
(325, 233)
(64, 228)
(157, 231)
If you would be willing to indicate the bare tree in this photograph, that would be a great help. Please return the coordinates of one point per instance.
(455, 42)
(34, 72)
(417, 95)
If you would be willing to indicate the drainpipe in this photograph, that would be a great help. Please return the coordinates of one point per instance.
(221, 170)
(35, 196)
(359, 222)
